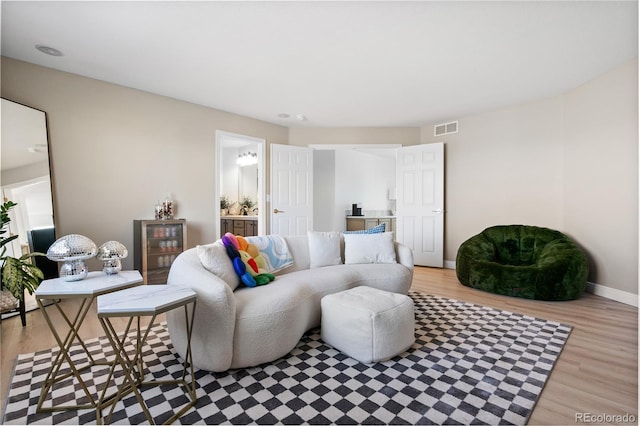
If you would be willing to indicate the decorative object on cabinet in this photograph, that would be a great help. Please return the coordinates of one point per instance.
(72, 250)
(168, 208)
(224, 205)
(110, 253)
(156, 244)
(159, 211)
(247, 205)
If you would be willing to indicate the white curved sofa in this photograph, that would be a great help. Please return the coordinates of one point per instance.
(251, 326)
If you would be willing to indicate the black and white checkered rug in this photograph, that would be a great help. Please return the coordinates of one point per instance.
(469, 365)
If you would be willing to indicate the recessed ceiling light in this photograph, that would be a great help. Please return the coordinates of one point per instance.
(300, 117)
(284, 115)
(48, 50)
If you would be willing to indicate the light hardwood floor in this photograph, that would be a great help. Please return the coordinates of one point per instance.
(596, 373)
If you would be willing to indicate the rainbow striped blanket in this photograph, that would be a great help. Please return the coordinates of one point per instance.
(275, 251)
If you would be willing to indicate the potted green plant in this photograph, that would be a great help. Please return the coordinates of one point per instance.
(18, 274)
(224, 205)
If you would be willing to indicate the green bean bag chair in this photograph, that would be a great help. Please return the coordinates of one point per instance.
(523, 261)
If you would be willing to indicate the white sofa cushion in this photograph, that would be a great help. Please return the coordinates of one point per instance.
(215, 259)
(324, 248)
(369, 248)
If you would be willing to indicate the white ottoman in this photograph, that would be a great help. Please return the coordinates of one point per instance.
(368, 324)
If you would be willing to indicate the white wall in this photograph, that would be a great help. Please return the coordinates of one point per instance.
(116, 150)
(600, 175)
(568, 163)
(305, 136)
(343, 177)
(325, 216)
(364, 178)
(503, 167)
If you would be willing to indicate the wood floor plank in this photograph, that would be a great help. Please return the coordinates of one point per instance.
(596, 373)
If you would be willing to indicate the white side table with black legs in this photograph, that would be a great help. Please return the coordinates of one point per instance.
(134, 303)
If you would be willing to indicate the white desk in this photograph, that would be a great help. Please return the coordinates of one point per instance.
(94, 285)
(148, 300)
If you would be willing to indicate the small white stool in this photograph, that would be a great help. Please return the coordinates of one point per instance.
(368, 324)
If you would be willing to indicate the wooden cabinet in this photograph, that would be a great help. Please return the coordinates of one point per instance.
(246, 227)
(238, 227)
(250, 228)
(363, 223)
(156, 244)
(226, 225)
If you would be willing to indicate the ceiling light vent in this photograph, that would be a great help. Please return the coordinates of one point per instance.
(445, 128)
(48, 50)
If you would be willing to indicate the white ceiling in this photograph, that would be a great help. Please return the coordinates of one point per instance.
(384, 63)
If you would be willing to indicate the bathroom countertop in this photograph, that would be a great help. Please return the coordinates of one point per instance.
(239, 217)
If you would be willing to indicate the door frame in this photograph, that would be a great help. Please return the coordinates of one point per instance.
(225, 138)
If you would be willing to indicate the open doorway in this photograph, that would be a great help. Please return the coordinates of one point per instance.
(240, 179)
(353, 174)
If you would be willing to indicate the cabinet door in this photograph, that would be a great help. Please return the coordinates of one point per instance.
(250, 228)
(370, 223)
(387, 224)
(226, 225)
(238, 227)
(355, 224)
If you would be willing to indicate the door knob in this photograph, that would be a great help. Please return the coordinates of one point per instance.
(276, 211)
(437, 211)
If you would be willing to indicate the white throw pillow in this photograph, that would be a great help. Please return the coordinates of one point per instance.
(369, 248)
(324, 248)
(215, 259)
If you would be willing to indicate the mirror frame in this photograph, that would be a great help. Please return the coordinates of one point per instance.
(49, 160)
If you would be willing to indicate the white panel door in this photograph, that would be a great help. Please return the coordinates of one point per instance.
(420, 203)
(291, 190)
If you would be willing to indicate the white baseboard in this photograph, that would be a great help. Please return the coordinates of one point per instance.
(597, 289)
(613, 294)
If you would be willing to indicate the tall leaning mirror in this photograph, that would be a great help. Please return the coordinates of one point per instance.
(26, 180)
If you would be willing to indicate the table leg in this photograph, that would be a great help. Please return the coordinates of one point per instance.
(191, 389)
(63, 355)
(122, 358)
(133, 379)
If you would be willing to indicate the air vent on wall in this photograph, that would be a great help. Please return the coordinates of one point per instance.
(445, 128)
